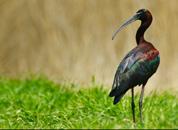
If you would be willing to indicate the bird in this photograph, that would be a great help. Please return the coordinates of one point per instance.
(138, 65)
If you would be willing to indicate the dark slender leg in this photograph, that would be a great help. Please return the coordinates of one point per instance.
(140, 103)
(133, 105)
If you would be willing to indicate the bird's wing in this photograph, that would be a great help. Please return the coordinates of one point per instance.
(135, 69)
(126, 64)
(129, 60)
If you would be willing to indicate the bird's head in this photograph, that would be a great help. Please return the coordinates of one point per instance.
(142, 15)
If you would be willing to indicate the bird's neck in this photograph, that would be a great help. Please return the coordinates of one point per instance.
(140, 32)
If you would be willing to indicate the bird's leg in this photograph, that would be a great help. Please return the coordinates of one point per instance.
(140, 103)
(133, 105)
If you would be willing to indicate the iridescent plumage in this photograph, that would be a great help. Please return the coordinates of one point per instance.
(138, 65)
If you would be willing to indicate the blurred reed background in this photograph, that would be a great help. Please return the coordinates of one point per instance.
(70, 40)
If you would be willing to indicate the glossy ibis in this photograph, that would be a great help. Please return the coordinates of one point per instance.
(138, 65)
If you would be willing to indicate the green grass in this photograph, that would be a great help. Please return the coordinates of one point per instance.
(41, 103)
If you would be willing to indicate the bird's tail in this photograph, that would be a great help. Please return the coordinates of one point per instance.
(117, 99)
(118, 92)
(112, 93)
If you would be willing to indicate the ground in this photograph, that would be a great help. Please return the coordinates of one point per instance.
(41, 103)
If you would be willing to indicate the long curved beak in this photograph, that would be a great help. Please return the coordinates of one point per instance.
(129, 21)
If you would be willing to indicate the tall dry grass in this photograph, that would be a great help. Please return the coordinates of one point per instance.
(71, 39)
